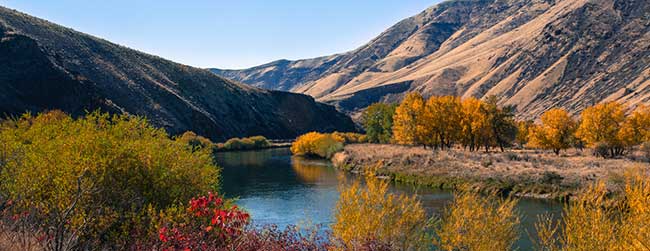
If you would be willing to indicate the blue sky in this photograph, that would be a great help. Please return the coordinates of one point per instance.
(228, 34)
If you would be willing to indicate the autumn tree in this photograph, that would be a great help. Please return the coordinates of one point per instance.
(440, 122)
(555, 131)
(473, 123)
(636, 127)
(524, 132)
(377, 120)
(601, 125)
(502, 128)
(405, 120)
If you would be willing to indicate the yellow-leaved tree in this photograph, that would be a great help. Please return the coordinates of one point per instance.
(440, 122)
(405, 120)
(555, 132)
(636, 127)
(473, 123)
(600, 126)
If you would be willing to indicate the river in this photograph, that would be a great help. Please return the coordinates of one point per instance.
(279, 189)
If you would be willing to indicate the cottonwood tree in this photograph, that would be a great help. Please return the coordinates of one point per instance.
(555, 131)
(405, 121)
(601, 125)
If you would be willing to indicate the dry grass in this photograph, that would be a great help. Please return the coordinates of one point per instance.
(525, 173)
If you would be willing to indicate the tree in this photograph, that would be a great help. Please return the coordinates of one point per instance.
(405, 121)
(377, 120)
(555, 132)
(636, 127)
(502, 127)
(601, 125)
(524, 132)
(317, 144)
(440, 122)
(473, 123)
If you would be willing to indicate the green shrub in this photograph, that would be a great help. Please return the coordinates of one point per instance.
(250, 143)
(93, 182)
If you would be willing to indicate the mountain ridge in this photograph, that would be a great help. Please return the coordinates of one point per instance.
(47, 66)
(534, 54)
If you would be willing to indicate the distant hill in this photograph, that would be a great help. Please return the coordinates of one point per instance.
(535, 54)
(47, 66)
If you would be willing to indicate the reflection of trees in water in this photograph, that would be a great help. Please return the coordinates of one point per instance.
(313, 171)
(246, 158)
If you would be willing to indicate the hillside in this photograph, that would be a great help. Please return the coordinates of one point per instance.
(534, 54)
(47, 66)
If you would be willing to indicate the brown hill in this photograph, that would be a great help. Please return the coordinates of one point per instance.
(46, 66)
(536, 54)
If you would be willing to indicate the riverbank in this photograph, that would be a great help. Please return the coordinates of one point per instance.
(522, 173)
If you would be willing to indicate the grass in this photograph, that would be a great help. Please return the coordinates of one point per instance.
(522, 173)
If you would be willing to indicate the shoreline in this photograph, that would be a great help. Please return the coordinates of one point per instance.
(520, 173)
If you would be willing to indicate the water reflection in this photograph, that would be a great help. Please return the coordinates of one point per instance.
(283, 190)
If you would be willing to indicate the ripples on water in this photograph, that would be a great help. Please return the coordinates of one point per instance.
(279, 189)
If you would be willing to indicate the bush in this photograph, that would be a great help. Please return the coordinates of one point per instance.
(208, 223)
(317, 144)
(196, 141)
(475, 222)
(350, 137)
(592, 221)
(90, 182)
(374, 217)
(251, 143)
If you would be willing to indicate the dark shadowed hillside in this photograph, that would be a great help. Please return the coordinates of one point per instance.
(536, 54)
(47, 66)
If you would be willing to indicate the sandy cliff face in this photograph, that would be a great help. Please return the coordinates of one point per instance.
(535, 54)
(46, 66)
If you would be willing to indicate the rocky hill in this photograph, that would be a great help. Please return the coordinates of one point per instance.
(535, 54)
(47, 66)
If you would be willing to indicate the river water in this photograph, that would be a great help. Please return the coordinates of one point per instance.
(279, 189)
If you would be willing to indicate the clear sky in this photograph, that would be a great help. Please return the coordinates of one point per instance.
(228, 34)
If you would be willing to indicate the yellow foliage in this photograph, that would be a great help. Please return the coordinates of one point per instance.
(601, 123)
(474, 123)
(475, 222)
(374, 214)
(317, 144)
(636, 128)
(594, 222)
(350, 137)
(439, 122)
(555, 132)
(405, 120)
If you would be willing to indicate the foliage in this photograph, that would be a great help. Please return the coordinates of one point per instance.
(317, 144)
(601, 124)
(373, 215)
(377, 121)
(636, 127)
(525, 130)
(350, 137)
(195, 141)
(440, 119)
(88, 182)
(208, 224)
(406, 119)
(555, 132)
(594, 222)
(475, 222)
(502, 128)
(250, 143)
